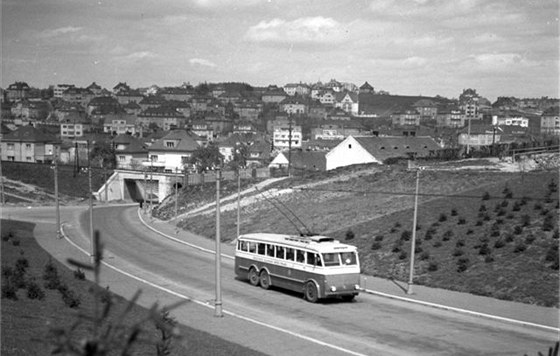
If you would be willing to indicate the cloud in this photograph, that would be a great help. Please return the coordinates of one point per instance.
(201, 62)
(303, 30)
(59, 31)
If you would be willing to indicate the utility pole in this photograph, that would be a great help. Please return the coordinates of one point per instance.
(58, 232)
(176, 194)
(218, 303)
(469, 137)
(413, 244)
(238, 197)
(106, 185)
(290, 146)
(91, 215)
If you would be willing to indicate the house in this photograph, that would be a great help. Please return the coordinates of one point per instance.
(129, 96)
(103, 105)
(120, 124)
(366, 88)
(451, 116)
(286, 135)
(293, 89)
(248, 111)
(28, 144)
(80, 96)
(151, 101)
(337, 130)
(294, 106)
(407, 117)
(347, 101)
(372, 149)
(273, 96)
(121, 88)
(482, 135)
(61, 88)
(220, 124)
(202, 130)
(31, 109)
(95, 88)
(178, 94)
(173, 151)
(327, 97)
(426, 108)
(258, 154)
(300, 161)
(244, 127)
(550, 121)
(130, 152)
(511, 118)
(164, 117)
(17, 91)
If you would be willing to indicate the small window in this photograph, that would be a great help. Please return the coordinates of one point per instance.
(280, 252)
(350, 146)
(252, 247)
(270, 250)
(261, 248)
(242, 245)
(289, 254)
(300, 256)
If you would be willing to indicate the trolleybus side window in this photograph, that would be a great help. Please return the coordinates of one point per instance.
(252, 247)
(261, 248)
(242, 246)
(280, 252)
(289, 253)
(313, 259)
(270, 250)
(300, 256)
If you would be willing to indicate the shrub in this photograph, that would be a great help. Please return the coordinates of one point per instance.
(458, 252)
(375, 245)
(70, 298)
(418, 249)
(516, 206)
(519, 247)
(379, 238)
(499, 243)
(403, 255)
(424, 256)
(405, 235)
(460, 243)
(396, 248)
(442, 217)
(524, 200)
(50, 276)
(462, 264)
(552, 254)
(486, 196)
(509, 238)
(34, 291)
(15, 242)
(517, 230)
(548, 223)
(349, 235)
(447, 235)
(525, 220)
(501, 212)
(486, 217)
(22, 264)
(79, 274)
(495, 230)
(437, 244)
(478, 223)
(552, 186)
(530, 239)
(555, 235)
(510, 216)
(429, 233)
(461, 221)
(537, 206)
(470, 232)
(397, 224)
(489, 259)
(504, 203)
(507, 193)
(9, 291)
(482, 208)
(484, 250)
(454, 212)
(433, 266)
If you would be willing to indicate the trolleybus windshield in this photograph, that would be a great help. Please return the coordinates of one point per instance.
(339, 258)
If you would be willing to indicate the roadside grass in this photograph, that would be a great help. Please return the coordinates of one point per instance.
(27, 324)
(503, 251)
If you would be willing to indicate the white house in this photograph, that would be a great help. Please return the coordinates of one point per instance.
(172, 151)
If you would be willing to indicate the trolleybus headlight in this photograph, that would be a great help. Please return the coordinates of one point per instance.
(333, 289)
(357, 286)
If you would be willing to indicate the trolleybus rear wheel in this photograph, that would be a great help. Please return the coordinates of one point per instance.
(311, 292)
(265, 280)
(253, 277)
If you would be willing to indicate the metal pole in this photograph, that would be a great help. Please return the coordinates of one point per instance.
(58, 233)
(106, 185)
(469, 137)
(238, 198)
(413, 245)
(91, 216)
(218, 305)
(176, 194)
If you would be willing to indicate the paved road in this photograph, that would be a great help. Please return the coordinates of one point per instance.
(282, 323)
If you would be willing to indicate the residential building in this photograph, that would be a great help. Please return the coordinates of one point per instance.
(130, 152)
(294, 106)
(28, 144)
(300, 89)
(407, 117)
(17, 91)
(173, 151)
(121, 124)
(151, 101)
(451, 116)
(121, 88)
(248, 111)
(244, 127)
(129, 96)
(337, 130)
(80, 96)
(550, 121)
(327, 97)
(31, 109)
(164, 117)
(61, 88)
(70, 130)
(221, 125)
(177, 94)
(286, 135)
(95, 88)
(272, 96)
(366, 88)
(347, 101)
(103, 105)
(202, 130)
(372, 149)
(426, 108)
(510, 119)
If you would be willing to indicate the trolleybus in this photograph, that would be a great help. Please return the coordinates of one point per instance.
(318, 266)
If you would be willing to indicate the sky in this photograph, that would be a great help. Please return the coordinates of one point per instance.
(404, 47)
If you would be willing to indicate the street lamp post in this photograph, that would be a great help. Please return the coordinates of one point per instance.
(413, 244)
(58, 232)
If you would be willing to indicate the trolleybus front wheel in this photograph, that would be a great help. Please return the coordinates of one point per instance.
(311, 293)
(265, 280)
(253, 277)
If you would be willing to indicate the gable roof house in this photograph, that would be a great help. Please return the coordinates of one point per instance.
(550, 121)
(130, 152)
(17, 90)
(164, 117)
(373, 149)
(28, 144)
(129, 96)
(173, 151)
(347, 101)
(294, 105)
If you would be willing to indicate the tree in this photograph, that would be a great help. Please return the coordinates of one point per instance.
(240, 154)
(206, 158)
(103, 155)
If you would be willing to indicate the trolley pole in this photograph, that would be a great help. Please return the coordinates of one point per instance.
(413, 245)
(218, 304)
(91, 216)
